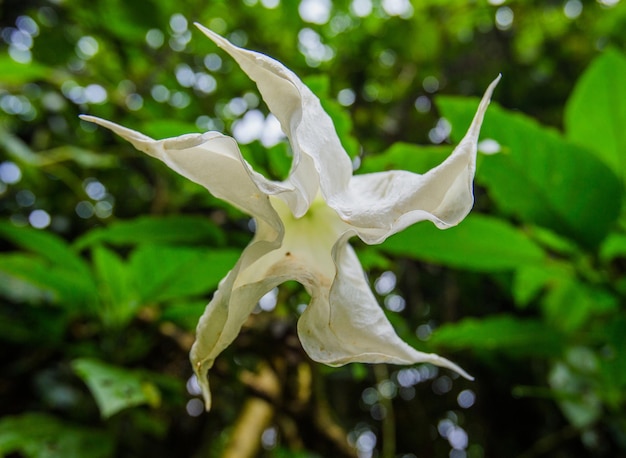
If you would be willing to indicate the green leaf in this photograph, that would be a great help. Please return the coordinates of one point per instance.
(578, 402)
(371, 258)
(43, 327)
(540, 177)
(152, 229)
(613, 361)
(531, 279)
(503, 333)
(273, 162)
(553, 242)
(185, 314)
(613, 247)
(570, 304)
(119, 298)
(128, 21)
(36, 435)
(115, 388)
(166, 272)
(595, 114)
(55, 283)
(46, 244)
(279, 157)
(406, 156)
(479, 243)
(21, 152)
(82, 157)
(14, 73)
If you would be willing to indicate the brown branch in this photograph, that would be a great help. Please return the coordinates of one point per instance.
(256, 416)
(324, 421)
(245, 440)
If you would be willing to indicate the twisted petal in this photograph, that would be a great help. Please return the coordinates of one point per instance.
(302, 254)
(380, 204)
(212, 160)
(231, 305)
(318, 157)
(344, 323)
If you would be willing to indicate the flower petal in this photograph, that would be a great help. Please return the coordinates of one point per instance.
(378, 205)
(212, 160)
(344, 323)
(302, 254)
(230, 307)
(318, 157)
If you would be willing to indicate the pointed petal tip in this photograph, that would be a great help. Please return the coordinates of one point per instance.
(96, 120)
(103, 123)
(127, 134)
(489, 92)
(495, 82)
(474, 130)
(87, 118)
(201, 27)
(444, 362)
(215, 37)
(463, 374)
(466, 376)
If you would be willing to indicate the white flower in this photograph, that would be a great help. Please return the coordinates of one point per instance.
(303, 223)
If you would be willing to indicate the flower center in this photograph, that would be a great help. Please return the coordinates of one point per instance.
(309, 239)
(319, 222)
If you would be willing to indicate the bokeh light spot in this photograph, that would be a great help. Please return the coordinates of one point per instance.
(85, 209)
(315, 11)
(361, 8)
(442, 385)
(269, 438)
(193, 387)
(395, 303)
(178, 23)
(346, 97)
(504, 18)
(385, 283)
(194, 407)
(423, 104)
(10, 173)
(466, 399)
(25, 198)
(39, 219)
(572, 9)
(155, 38)
(402, 8)
(268, 302)
(87, 47)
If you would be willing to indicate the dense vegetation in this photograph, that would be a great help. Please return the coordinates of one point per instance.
(108, 257)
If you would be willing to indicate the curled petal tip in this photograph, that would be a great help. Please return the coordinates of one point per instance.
(443, 362)
(465, 375)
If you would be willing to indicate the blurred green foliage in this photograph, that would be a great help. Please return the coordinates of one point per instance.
(108, 258)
